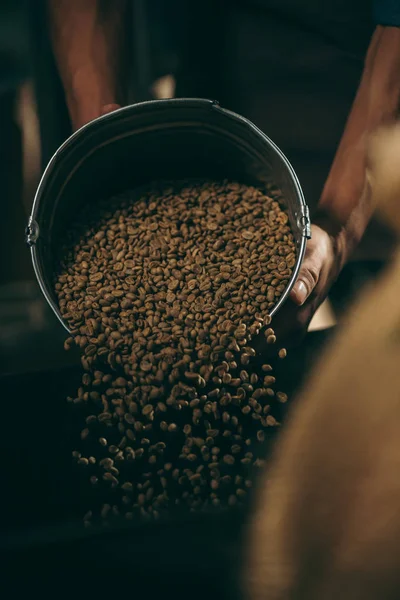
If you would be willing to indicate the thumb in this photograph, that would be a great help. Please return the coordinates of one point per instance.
(107, 108)
(306, 282)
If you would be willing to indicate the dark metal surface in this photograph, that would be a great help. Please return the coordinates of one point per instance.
(161, 139)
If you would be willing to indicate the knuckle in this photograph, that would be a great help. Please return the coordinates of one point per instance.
(310, 276)
(313, 272)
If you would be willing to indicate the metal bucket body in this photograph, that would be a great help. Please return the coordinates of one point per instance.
(161, 139)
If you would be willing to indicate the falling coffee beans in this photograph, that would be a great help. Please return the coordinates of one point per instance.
(164, 289)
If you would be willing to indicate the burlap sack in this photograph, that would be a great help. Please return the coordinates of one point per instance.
(327, 521)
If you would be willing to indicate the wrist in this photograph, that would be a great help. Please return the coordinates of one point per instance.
(345, 216)
(86, 96)
(341, 245)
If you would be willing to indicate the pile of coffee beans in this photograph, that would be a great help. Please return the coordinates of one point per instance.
(165, 290)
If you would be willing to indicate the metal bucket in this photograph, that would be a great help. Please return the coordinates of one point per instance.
(161, 139)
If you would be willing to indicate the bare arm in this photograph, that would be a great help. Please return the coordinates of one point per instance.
(345, 205)
(88, 44)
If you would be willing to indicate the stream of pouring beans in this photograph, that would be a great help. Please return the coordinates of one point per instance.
(164, 288)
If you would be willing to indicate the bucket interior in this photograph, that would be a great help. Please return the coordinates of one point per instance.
(154, 140)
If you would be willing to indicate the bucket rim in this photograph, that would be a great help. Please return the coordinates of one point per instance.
(33, 228)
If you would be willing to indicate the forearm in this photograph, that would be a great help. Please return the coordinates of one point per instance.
(88, 44)
(345, 206)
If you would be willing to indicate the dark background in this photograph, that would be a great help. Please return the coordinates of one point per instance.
(33, 122)
(42, 496)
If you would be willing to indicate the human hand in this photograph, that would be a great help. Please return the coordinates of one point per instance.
(318, 272)
(82, 117)
(107, 108)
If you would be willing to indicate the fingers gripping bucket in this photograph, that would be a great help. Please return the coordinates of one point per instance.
(162, 139)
